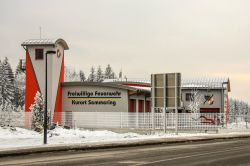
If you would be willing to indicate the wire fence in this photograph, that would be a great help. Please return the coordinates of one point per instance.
(148, 121)
(128, 120)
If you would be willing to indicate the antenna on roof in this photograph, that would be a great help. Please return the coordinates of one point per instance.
(40, 30)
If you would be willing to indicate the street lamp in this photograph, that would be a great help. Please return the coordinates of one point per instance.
(45, 126)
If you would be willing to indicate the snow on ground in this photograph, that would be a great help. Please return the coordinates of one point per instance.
(239, 125)
(19, 137)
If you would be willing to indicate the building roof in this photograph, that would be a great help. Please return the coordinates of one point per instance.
(207, 83)
(118, 86)
(198, 83)
(49, 42)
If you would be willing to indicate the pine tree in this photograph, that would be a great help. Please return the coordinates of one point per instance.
(1, 83)
(120, 74)
(19, 85)
(113, 76)
(92, 75)
(19, 68)
(82, 76)
(108, 72)
(37, 110)
(71, 75)
(7, 82)
(99, 74)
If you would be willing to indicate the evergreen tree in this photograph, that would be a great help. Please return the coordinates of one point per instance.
(19, 84)
(120, 74)
(19, 68)
(7, 82)
(82, 76)
(113, 76)
(1, 83)
(108, 72)
(92, 75)
(37, 110)
(75, 76)
(99, 74)
(71, 75)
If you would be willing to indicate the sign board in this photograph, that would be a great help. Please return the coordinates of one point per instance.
(91, 98)
(166, 90)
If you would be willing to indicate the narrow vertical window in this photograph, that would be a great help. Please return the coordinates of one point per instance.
(189, 97)
(39, 54)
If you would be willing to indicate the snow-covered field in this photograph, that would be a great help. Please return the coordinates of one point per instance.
(14, 137)
(19, 137)
(239, 125)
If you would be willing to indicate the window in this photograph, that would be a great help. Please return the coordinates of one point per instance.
(39, 54)
(189, 97)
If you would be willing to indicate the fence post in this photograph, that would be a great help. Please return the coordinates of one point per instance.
(153, 102)
(121, 120)
(137, 113)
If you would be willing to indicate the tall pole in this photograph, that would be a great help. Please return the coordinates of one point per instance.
(45, 111)
(164, 102)
(153, 101)
(45, 125)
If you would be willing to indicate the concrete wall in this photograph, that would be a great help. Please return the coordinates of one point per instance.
(83, 102)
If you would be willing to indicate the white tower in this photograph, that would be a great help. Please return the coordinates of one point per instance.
(36, 50)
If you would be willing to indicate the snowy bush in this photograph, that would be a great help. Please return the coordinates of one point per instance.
(196, 101)
(37, 110)
(10, 116)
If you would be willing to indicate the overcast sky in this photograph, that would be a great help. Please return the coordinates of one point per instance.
(194, 37)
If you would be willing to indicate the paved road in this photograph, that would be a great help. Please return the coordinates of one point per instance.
(223, 152)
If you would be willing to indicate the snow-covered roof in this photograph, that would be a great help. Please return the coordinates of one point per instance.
(142, 88)
(138, 80)
(52, 42)
(206, 82)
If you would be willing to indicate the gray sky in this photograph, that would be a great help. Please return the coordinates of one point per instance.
(194, 37)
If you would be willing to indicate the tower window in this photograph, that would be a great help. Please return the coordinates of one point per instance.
(39, 54)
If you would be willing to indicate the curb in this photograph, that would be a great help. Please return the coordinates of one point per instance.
(116, 144)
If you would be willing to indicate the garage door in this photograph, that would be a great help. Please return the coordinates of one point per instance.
(210, 110)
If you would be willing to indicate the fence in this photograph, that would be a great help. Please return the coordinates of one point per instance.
(144, 121)
(140, 121)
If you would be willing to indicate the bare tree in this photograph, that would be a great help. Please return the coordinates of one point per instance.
(196, 99)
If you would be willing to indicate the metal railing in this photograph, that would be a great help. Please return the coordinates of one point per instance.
(148, 121)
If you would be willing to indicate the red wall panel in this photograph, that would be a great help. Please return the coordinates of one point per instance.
(132, 105)
(31, 84)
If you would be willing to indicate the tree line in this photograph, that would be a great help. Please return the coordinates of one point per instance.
(95, 75)
(238, 108)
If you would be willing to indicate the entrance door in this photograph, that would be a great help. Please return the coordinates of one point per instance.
(141, 106)
(132, 105)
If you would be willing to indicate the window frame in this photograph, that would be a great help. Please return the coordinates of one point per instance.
(189, 97)
(37, 52)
